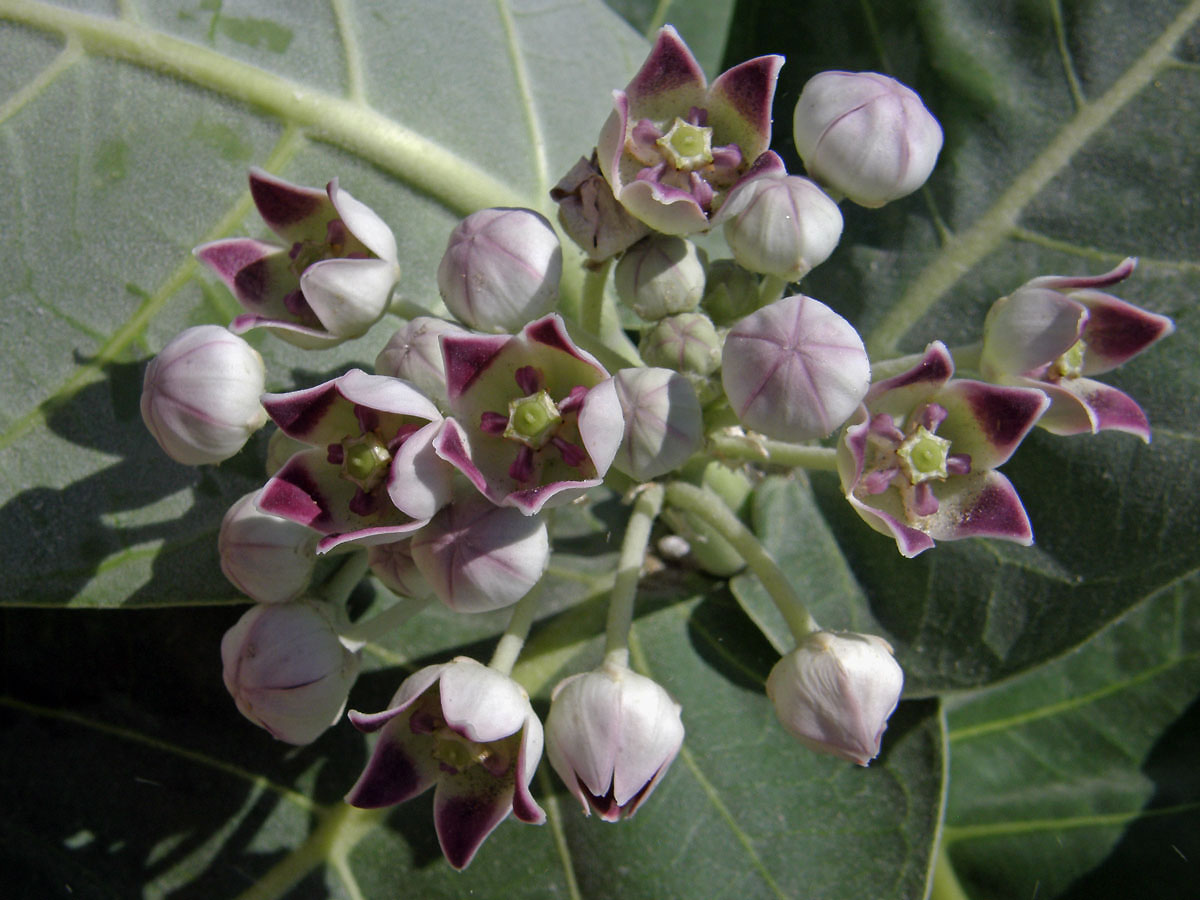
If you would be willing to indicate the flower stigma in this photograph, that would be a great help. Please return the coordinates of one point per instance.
(1070, 364)
(687, 146)
(533, 420)
(923, 455)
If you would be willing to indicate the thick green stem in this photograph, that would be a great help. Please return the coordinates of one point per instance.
(629, 569)
(513, 640)
(770, 289)
(592, 303)
(708, 506)
(388, 620)
(757, 449)
(343, 582)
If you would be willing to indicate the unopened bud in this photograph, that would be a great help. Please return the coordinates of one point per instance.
(501, 269)
(730, 292)
(414, 353)
(591, 215)
(661, 276)
(781, 225)
(268, 558)
(663, 422)
(795, 370)
(393, 564)
(687, 343)
(287, 670)
(200, 395)
(835, 692)
(865, 136)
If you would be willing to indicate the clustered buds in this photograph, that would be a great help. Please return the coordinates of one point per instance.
(439, 471)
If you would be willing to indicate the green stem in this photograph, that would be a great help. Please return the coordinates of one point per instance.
(757, 449)
(592, 302)
(629, 569)
(389, 620)
(513, 640)
(343, 582)
(708, 506)
(770, 289)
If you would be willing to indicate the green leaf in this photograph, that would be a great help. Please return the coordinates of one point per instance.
(1079, 779)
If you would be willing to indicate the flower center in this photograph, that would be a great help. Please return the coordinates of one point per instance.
(533, 420)
(687, 146)
(365, 461)
(1070, 364)
(923, 456)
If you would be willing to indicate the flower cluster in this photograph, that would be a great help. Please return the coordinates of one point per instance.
(439, 471)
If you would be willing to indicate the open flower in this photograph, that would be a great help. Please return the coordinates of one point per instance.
(526, 428)
(674, 145)
(470, 731)
(1055, 331)
(333, 279)
(916, 460)
(611, 736)
(367, 434)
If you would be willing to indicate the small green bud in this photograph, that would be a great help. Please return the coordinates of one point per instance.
(730, 292)
(661, 276)
(687, 343)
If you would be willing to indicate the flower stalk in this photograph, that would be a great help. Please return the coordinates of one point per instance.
(629, 568)
(708, 507)
(512, 642)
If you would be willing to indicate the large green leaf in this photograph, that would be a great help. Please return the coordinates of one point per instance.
(1079, 780)
(127, 129)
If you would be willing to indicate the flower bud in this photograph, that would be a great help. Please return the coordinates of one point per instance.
(501, 269)
(781, 225)
(414, 353)
(393, 564)
(200, 395)
(866, 136)
(611, 735)
(663, 422)
(794, 370)
(287, 670)
(661, 276)
(478, 557)
(687, 343)
(591, 215)
(730, 292)
(268, 558)
(835, 692)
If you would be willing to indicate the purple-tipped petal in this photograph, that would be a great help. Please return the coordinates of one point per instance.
(904, 392)
(666, 209)
(1082, 282)
(1082, 405)
(1117, 331)
(739, 104)
(293, 212)
(253, 270)
(467, 357)
(466, 809)
(887, 517)
(669, 80)
(988, 422)
(980, 505)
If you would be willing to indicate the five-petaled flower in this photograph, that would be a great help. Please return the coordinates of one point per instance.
(467, 729)
(526, 428)
(350, 485)
(916, 460)
(330, 283)
(674, 145)
(1055, 331)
